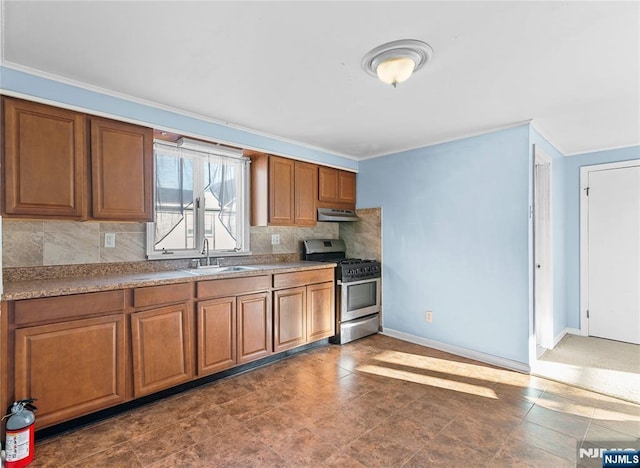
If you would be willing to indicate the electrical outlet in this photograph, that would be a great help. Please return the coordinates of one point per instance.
(429, 316)
(275, 239)
(109, 240)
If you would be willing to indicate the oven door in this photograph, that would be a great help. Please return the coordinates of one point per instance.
(359, 298)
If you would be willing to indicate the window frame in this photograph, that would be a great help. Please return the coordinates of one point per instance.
(206, 150)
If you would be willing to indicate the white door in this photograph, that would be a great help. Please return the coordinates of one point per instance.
(543, 273)
(613, 253)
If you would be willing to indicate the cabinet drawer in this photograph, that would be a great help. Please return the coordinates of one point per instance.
(49, 309)
(301, 278)
(155, 295)
(232, 286)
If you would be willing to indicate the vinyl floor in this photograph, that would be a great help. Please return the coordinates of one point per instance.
(376, 402)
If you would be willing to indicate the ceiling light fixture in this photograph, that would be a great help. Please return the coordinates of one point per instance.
(394, 62)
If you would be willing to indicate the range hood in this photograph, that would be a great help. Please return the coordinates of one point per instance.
(330, 214)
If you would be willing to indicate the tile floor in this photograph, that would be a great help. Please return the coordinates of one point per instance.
(375, 402)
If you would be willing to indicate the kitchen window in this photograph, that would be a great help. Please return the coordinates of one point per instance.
(200, 192)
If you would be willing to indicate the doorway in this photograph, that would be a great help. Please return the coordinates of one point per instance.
(610, 251)
(542, 252)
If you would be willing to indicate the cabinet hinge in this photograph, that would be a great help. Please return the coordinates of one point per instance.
(587, 314)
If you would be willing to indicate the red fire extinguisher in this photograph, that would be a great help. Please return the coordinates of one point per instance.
(20, 434)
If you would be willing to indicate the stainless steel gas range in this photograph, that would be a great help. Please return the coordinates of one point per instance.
(358, 295)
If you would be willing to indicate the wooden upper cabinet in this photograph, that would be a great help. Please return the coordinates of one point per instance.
(56, 165)
(346, 187)
(336, 188)
(327, 184)
(44, 159)
(281, 191)
(306, 189)
(121, 171)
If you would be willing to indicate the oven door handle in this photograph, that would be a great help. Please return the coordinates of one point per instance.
(349, 283)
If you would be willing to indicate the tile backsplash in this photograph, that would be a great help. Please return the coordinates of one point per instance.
(290, 237)
(37, 243)
(42, 243)
(364, 238)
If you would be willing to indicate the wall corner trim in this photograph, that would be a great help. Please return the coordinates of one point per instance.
(459, 351)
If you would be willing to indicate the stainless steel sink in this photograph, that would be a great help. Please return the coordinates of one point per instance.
(212, 270)
(238, 268)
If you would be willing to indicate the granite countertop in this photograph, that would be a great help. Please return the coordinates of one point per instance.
(36, 288)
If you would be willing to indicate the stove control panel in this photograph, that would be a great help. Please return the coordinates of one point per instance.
(358, 271)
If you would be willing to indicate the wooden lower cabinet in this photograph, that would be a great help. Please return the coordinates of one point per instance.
(254, 327)
(216, 337)
(289, 318)
(161, 348)
(303, 315)
(320, 311)
(73, 368)
(82, 353)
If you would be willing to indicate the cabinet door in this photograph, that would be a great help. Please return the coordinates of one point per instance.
(336, 186)
(289, 318)
(320, 311)
(161, 346)
(281, 191)
(254, 327)
(216, 335)
(346, 187)
(121, 171)
(44, 161)
(72, 368)
(327, 184)
(306, 193)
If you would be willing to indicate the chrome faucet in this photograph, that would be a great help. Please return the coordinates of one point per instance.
(205, 249)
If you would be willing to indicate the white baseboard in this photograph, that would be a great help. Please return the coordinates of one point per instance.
(458, 351)
(570, 331)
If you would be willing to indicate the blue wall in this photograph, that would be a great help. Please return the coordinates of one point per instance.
(456, 240)
(15, 81)
(572, 165)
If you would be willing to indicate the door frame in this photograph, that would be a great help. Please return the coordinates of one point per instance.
(584, 234)
(540, 278)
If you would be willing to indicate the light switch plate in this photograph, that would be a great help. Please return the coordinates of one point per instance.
(109, 240)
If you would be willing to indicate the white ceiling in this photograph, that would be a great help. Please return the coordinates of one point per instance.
(292, 69)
